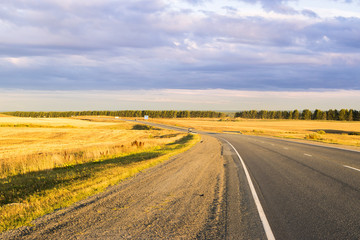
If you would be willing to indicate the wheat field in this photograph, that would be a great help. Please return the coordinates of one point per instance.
(33, 144)
(48, 164)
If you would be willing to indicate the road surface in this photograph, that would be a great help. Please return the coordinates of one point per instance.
(306, 191)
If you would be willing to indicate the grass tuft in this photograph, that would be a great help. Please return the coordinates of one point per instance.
(313, 136)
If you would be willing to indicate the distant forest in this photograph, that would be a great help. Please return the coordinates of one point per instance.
(339, 115)
(126, 113)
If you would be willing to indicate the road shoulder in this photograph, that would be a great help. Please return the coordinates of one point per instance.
(180, 198)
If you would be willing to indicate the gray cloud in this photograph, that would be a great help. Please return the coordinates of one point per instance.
(230, 10)
(279, 6)
(336, 35)
(141, 45)
(197, 2)
(309, 13)
(345, 1)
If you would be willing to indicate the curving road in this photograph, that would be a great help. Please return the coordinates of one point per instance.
(306, 191)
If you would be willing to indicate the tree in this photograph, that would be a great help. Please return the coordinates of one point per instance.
(286, 114)
(318, 115)
(356, 116)
(278, 115)
(306, 114)
(296, 114)
(342, 115)
(290, 116)
(330, 115)
(350, 115)
(262, 114)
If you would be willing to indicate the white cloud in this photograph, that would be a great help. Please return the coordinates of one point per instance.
(190, 44)
(20, 61)
(178, 99)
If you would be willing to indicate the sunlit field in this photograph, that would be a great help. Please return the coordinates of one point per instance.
(37, 144)
(47, 164)
(334, 132)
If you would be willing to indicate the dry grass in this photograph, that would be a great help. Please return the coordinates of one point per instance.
(28, 144)
(46, 164)
(335, 132)
(27, 196)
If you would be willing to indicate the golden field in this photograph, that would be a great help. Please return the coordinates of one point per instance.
(28, 144)
(334, 132)
(48, 164)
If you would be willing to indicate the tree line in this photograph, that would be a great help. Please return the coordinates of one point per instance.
(306, 114)
(125, 113)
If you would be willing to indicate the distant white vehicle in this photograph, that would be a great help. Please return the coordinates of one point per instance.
(116, 117)
(191, 130)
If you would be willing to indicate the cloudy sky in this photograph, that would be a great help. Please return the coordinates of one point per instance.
(179, 54)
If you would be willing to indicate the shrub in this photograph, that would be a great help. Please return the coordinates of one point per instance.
(313, 136)
(142, 127)
(354, 133)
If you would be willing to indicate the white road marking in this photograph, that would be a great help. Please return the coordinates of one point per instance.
(307, 155)
(311, 144)
(352, 168)
(265, 222)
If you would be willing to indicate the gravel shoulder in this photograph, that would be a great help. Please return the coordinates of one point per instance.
(181, 198)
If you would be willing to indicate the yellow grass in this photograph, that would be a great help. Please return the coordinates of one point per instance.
(28, 196)
(28, 144)
(336, 132)
(46, 164)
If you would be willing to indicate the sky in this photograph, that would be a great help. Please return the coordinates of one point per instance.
(179, 54)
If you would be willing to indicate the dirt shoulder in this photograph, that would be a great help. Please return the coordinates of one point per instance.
(178, 199)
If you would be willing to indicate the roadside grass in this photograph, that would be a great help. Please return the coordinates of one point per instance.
(25, 197)
(333, 132)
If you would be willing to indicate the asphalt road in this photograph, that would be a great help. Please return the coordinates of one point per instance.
(306, 191)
